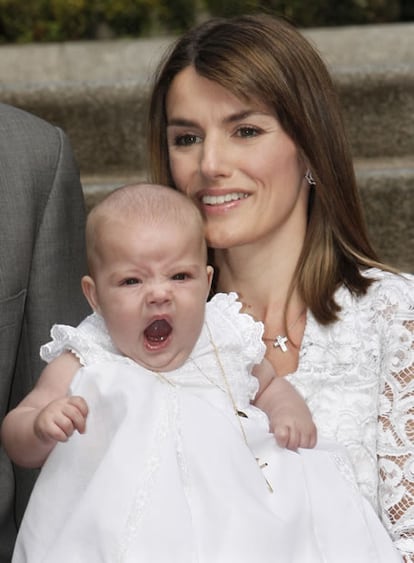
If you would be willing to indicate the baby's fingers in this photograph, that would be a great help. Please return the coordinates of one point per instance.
(77, 410)
(54, 426)
(60, 430)
(285, 437)
(308, 440)
(294, 441)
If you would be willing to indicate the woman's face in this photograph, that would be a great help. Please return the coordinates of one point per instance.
(233, 157)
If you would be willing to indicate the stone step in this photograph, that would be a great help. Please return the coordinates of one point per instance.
(106, 121)
(378, 105)
(387, 191)
(98, 91)
(126, 59)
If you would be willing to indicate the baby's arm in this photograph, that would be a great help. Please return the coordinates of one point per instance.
(47, 415)
(290, 419)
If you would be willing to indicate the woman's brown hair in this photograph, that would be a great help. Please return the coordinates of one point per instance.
(264, 58)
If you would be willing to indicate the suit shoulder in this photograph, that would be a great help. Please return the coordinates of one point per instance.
(15, 120)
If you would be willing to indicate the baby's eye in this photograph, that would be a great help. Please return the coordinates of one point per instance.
(186, 140)
(131, 281)
(247, 131)
(181, 276)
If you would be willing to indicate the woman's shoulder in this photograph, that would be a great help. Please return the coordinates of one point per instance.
(391, 285)
(390, 295)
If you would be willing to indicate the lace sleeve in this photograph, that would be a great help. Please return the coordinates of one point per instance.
(241, 325)
(240, 335)
(396, 419)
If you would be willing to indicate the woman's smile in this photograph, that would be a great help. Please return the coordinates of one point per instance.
(213, 200)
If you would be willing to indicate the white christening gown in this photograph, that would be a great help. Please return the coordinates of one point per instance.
(163, 473)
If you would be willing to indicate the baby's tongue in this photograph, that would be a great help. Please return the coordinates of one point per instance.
(158, 331)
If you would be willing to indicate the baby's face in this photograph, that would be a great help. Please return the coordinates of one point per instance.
(151, 287)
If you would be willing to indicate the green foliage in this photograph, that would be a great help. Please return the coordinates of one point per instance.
(22, 21)
(125, 17)
(42, 20)
(177, 15)
(314, 12)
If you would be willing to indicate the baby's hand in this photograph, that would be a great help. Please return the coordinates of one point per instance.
(60, 418)
(289, 416)
(293, 426)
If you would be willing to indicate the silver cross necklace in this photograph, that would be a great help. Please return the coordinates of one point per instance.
(281, 340)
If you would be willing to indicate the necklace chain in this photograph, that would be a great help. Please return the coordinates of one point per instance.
(240, 414)
(236, 411)
(226, 389)
(164, 378)
(281, 340)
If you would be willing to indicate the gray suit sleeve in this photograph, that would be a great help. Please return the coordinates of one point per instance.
(42, 259)
(58, 263)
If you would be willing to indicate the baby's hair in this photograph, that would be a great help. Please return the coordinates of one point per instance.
(147, 203)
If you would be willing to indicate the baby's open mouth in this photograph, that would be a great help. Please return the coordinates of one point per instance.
(158, 331)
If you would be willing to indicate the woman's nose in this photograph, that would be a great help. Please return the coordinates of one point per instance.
(214, 160)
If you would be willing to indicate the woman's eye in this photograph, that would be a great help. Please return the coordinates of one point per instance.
(186, 140)
(181, 276)
(247, 131)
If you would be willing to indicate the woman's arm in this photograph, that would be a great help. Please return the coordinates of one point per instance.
(395, 443)
(289, 417)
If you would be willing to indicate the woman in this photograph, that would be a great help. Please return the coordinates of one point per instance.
(244, 119)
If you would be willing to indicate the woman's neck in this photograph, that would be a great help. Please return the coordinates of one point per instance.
(261, 274)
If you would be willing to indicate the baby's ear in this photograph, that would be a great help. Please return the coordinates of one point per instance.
(89, 291)
(210, 274)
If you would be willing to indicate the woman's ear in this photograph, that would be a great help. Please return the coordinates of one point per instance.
(89, 291)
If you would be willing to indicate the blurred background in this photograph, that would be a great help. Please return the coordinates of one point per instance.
(25, 21)
(87, 66)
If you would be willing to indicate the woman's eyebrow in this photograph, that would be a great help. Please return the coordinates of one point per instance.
(232, 118)
(244, 114)
(181, 122)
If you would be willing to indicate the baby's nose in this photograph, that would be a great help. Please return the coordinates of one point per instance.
(159, 293)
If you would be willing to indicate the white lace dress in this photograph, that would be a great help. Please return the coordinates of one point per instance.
(357, 377)
(163, 473)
